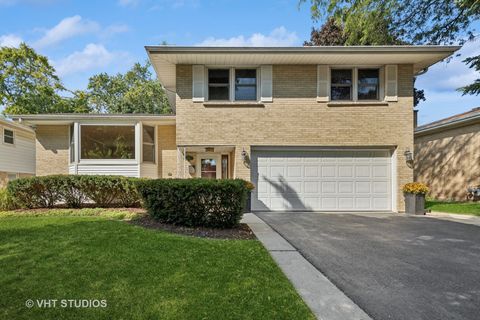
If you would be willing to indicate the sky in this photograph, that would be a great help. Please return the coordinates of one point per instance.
(83, 38)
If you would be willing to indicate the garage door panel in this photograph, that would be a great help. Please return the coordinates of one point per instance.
(321, 180)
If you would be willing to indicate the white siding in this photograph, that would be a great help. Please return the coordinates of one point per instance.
(20, 157)
(128, 170)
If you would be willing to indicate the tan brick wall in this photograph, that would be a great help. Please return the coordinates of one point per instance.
(52, 150)
(4, 178)
(167, 151)
(295, 118)
(448, 161)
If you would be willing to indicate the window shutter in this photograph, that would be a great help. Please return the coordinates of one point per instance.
(198, 85)
(391, 83)
(323, 83)
(266, 83)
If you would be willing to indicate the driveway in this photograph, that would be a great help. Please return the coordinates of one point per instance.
(392, 266)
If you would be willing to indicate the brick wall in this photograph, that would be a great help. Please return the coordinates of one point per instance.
(167, 152)
(52, 150)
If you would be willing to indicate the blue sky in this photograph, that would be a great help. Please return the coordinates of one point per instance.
(82, 38)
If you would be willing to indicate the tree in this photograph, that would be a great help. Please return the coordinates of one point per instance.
(28, 83)
(136, 91)
(330, 34)
(410, 21)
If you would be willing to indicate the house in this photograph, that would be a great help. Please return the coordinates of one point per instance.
(447, 155)
(314, 128)
(17, 151)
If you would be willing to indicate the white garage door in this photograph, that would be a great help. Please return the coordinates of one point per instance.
(322, 180)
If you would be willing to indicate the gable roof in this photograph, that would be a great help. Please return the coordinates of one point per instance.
(457, 120)
(165, 58)
(13, 125)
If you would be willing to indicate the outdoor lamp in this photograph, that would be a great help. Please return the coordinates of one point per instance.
(408, 155)
(244, 155)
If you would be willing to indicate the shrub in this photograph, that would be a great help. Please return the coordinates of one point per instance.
(7, 201)
(195, 202)
(416, 188)
(75, 191)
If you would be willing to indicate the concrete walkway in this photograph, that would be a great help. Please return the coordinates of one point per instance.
(462, 218)
(325, 300)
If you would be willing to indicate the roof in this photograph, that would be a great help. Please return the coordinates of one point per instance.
(11, 124)
(164, 58)
(66, 118)
(457, 120)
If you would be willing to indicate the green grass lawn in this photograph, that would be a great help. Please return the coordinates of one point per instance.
(141, 273)
(472, 208)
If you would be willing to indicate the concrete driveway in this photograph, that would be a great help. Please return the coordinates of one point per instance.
(392, 266)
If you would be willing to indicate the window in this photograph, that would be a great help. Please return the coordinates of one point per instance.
(224, 166)
(245, 84)
(8, 136)
(72, 144)
(148, 144)
(107, 142)
(218, 84)
(368, 84)
(341, 86)
(208, 168)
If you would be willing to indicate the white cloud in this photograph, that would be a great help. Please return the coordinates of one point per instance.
(114, 29)
(128, 3)
(91, 57)
(65, 29)
(448, 76)
(10, 40)
(278, 37)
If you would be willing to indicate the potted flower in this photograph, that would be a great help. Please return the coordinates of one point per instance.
(414, 193)
(249, 186)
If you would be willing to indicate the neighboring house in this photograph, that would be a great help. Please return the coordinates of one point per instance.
(447, 155)
(17, 151)
(314, 128)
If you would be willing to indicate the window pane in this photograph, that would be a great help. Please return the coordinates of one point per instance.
(368, 84)
(148, 134)
(8, 136)
(246, 93)
(224, 166)
(246, 84)
(107, 142)
(341, 93)
(208, 168)
(216, 76)
(148, 153)
(342, 76)
(218, 93)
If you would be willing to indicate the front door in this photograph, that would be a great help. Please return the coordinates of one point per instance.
(209, 166)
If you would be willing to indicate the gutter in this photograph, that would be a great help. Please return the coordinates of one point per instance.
(453, 124)
(56, 117)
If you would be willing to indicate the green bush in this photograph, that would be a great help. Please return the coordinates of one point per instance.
(195, 202)
(7, 201)
(75, 191)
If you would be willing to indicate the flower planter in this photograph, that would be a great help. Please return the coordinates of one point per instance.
(414, 203)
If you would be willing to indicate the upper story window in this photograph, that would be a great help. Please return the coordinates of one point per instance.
(148, 144)
(245, 84)
(8, 136)
(355, 84)
(218, 84)
(107, 142)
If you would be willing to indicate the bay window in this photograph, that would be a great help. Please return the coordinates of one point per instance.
(107, 142)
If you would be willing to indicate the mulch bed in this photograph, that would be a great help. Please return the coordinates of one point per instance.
(242, 232)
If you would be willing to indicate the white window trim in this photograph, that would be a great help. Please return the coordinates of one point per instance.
(231, 84)
(138, 144)
(14, 137)
(381, 85)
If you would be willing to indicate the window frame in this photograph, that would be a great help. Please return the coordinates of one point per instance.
(381, 84)
(352, 86)
(217, 85)
(231, 83)
(13, 137)
(154, 144)
(134, 160)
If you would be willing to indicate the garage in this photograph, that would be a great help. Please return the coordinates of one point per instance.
(323, 180)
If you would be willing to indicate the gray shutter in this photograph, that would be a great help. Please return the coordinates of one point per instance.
(266, 83)
(391, 82)
(323, 83)
(198, 85)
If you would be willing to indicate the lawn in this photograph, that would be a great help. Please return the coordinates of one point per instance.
(472, 208)
(141, 273)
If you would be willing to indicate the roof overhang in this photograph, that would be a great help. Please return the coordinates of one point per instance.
(65, 119)
(11, 124)
(165, 58)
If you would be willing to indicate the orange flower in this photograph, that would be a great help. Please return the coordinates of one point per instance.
(416, 188)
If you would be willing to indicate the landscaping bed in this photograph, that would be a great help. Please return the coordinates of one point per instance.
(470, 208)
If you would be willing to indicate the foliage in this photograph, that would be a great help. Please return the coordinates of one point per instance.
(330, 34)
(416, 188)
(250, 186)
(410, 21)
(473, 88)
(136, 91)
(74, 191)
(195, 202)
(7, 201)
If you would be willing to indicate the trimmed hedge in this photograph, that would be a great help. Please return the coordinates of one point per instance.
(75, 191)
(195, 202)
(7, 201)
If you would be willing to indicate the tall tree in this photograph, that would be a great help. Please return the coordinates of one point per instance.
(329, 34)
(136, 91)
(410, 21)
(28, 83)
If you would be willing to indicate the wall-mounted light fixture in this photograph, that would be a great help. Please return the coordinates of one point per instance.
(244, 155)
(408, 155)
